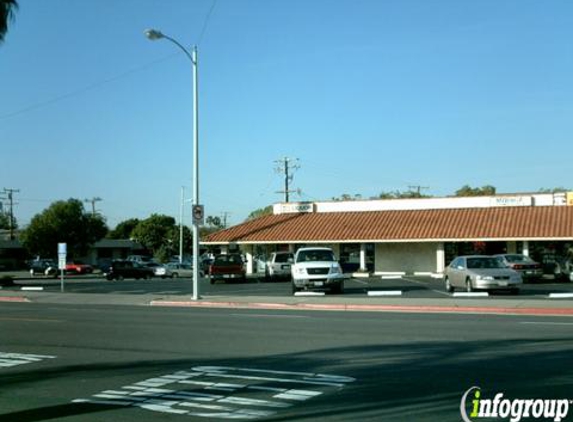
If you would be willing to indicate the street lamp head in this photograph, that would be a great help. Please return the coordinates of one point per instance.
(153, 34)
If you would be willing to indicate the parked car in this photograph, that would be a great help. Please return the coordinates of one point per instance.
(160, 270)
(227, 267)
(480, 272)
(316, 268)
(140, 259)
(182, 270)
(278, 265)
(524, 265)
(78, 267)
(128, 269)
(47, 267)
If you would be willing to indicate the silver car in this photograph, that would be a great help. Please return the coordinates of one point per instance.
(478, 272)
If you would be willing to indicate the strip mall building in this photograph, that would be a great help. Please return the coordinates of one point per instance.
(411, 235)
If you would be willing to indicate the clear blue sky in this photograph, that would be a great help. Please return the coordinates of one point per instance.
(369, 95)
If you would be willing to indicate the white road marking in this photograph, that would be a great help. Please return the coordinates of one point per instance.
(560, 295)
(13, 359)
(255, 393)
(385, 293)
(271, 316)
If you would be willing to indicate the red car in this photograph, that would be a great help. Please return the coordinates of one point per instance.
(78, 267)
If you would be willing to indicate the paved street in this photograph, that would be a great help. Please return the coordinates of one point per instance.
(127, 363)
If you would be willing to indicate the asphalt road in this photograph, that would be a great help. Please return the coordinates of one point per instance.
(127, 363)
(412, 287)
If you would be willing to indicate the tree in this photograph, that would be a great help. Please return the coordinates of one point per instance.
(4, 221)
(124, 229)
(7, 9)
(348, 197)
(554, 190)
(466, 190)
(154, 232)
(63, 222)
(402, 195)
(261, 212)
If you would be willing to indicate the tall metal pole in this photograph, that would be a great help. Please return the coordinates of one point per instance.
(154, 34)
(181, 225)
(195, 62)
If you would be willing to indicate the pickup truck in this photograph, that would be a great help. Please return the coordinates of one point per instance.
(227, 267)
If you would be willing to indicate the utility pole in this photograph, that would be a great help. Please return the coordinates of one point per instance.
(224, 216)
(418, 189)
(287, 166)
(93, 202)
(10, 197)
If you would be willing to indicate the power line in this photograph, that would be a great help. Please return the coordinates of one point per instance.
(207, 18)
(91, 87)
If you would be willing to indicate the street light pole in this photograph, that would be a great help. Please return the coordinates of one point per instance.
(153, 35)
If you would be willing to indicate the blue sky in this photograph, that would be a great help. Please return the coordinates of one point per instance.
(369, 95)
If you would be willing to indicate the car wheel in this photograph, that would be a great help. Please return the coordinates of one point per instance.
(175, 275)
(469, 287)
(294, 288)
(449, 287)
(337, 289)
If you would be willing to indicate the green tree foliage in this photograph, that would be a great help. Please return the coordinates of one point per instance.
(124, 229)
(7, 9)
(160, 235)
(65, 222)
(5, 221)
(467, 190)
(154, 232)
(554, 190)
(261, 212)
(402, 195)
(348, 197)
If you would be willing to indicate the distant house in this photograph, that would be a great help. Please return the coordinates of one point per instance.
(14, 256)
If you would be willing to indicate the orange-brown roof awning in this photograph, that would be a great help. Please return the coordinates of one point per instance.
(471, 224)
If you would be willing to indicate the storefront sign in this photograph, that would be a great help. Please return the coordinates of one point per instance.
(512, 201)
(298, 207)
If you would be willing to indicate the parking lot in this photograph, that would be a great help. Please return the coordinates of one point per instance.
(405, 287)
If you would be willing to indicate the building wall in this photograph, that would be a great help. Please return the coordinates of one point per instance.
(405, 257)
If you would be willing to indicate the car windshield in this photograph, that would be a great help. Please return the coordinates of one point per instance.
(282, 257)
(486, 262)
(315, 255)
(517, 258)
(228, 260)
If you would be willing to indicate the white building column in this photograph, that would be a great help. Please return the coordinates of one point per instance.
(362, 257)
(249, 253)
(526, 247)
(511, 247)
(224, 249)
(440, 258)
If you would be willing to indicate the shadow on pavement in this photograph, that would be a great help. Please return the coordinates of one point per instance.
(422, 381)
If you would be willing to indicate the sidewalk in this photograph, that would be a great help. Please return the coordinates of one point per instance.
(556, 307)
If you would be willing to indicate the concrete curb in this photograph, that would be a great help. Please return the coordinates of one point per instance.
(370, 308)
(17, 299)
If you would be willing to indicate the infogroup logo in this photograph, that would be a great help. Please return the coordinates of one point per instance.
(515, 410)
